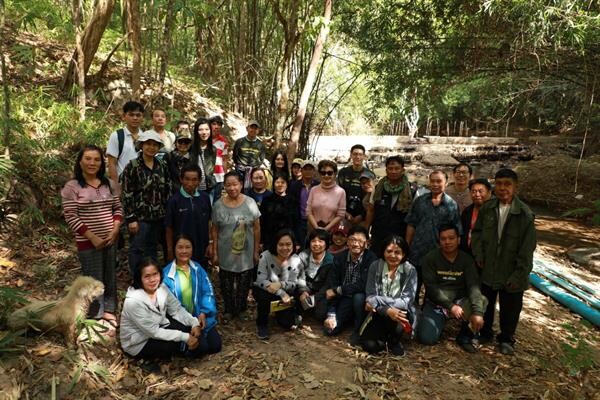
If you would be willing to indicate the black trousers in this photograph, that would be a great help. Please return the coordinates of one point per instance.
(379, 332)
(510, 310)
(234, 289)
(285, 318)
(210, 342)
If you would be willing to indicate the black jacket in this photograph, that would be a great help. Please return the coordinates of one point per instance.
(340, 267)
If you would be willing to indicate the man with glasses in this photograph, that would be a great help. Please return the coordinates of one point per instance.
(349, 179)
(346, 285)
(459, 189)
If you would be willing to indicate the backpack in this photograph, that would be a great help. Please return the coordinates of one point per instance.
(121, 140)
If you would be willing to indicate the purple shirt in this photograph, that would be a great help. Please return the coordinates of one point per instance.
(303, 200)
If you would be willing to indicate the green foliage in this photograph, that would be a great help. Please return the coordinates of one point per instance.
(9, 342)
(45, 148)
(586, 212)
(26, 14)
(93, 369)
(578, 355)
(532, 61)
(44, 274)
(92, 328)
(10, 299)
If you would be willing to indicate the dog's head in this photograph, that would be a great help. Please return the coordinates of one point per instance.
(87, 287)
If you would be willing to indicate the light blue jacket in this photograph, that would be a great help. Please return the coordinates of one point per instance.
(203, 295)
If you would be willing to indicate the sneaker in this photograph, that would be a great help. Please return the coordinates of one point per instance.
(507, 349)
(227, 317)
(297, 322)
(397, 349)
(468, 347)
(262, 331)
(244, 316)
(354, 339)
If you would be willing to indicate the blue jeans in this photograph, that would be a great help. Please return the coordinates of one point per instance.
(144, 243)
(432, 323)
(216, 192)
(349, 309)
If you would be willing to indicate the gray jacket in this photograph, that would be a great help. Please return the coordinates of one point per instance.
(141, 320)
(402, 300)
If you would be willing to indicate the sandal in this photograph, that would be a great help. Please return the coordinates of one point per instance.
(112, 321)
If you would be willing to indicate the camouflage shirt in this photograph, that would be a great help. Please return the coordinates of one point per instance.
(145, 191)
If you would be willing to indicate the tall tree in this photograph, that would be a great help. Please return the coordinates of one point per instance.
(77, 15)
(92, 35)
(5, 87)
(132, 9)
(291, 36)
(310, 80)
(166, 42)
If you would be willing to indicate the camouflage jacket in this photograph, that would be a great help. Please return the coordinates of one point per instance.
(145, 191)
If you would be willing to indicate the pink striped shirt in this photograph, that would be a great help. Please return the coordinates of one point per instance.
(90, 208)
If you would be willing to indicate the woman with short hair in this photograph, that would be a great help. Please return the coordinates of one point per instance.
(326, 204)
(188, 281)
(316, 262)
(154, 324)
(279, 272)
(390, 299)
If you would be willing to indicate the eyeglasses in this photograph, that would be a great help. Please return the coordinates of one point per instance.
(326, 173)
(357, 241)
(459, 172)
(184, 141)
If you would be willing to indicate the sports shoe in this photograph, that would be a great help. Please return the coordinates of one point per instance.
(262, 331)
(227, 317)
(297, 322)
(507, 349)
(397, 349)
(468, 347)
(244, 316)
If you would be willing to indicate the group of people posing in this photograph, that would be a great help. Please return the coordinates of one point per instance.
(305, 241)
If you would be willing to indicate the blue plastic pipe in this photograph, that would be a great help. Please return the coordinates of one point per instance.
(548, 265)
(571, 289)
(566, 299)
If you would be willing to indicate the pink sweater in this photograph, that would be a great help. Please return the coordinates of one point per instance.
(90, 208)
(326, 203)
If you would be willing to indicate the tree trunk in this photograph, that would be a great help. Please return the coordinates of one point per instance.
(6, 123)
(310, 79)
(133, 27)
(291, 38)
(79, 71)
(166, 43)
(91, 39)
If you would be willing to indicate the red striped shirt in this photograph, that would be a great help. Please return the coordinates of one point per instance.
(90, 208)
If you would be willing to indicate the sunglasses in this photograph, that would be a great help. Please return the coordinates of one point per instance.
(326, 173)
(184, 141)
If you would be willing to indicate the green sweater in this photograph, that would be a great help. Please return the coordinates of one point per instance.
(445, 281)
(508, 259)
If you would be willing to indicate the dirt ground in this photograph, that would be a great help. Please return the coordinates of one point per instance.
(557, 354)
